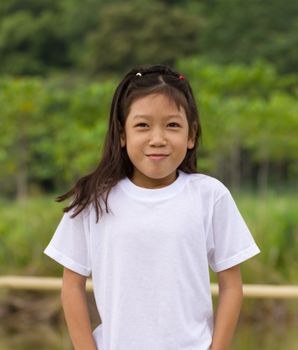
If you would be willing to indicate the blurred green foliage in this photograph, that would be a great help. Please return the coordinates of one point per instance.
(25, 229)
(52, 131)
(250, 121)
(132, 33)
(273, 221)
(104, 37)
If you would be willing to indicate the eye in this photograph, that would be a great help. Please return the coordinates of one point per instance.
(174, 125)
(142, 125)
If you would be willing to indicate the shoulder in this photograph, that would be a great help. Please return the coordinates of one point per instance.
(80, 220)
(207, 185)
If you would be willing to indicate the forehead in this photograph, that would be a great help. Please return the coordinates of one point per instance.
(157, 103)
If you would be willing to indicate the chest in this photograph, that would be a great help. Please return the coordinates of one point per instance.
(155, 229)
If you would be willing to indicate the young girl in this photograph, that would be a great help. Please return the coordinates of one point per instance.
(147, 227)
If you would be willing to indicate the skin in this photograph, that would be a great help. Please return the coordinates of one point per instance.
(229, 304)
(73, 298)
(156, 136)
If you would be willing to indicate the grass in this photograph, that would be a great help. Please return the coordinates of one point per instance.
(272, 219)
(25, 229)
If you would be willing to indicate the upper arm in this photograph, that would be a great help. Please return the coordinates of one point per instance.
(229, 241)
(73, 279)
(70, 244)
(230, 278)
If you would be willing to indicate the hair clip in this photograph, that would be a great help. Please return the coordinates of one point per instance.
(181, 77)
(138, 74)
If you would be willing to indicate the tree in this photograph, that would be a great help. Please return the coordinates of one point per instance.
(260, 30)
(50, 135)
(31, 40)
(21, 102)
(136, 33)
(248, 118)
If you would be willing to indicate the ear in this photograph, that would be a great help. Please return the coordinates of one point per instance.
(191, 138)
(122, 139)
(190, 143)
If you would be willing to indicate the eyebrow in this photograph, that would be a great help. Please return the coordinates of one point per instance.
(148, 116)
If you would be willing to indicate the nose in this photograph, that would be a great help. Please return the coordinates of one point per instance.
(157, 138)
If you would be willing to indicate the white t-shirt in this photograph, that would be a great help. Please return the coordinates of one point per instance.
(150, 257)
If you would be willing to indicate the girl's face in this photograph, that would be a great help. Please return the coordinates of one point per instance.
(156, 136)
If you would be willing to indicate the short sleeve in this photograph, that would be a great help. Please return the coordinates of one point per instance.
(69, 245)
(230, 241)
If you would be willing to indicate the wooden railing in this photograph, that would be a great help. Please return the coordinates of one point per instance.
(54, 284)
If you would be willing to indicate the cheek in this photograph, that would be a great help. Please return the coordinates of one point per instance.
(134, 138)
(183, 139)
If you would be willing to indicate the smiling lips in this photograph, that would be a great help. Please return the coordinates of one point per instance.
(157, 156)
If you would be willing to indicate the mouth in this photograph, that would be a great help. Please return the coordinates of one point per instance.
(156, 156)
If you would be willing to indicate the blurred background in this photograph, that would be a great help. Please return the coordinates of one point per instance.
(60, 62)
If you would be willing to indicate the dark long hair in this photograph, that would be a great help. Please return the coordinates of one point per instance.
(115, 164)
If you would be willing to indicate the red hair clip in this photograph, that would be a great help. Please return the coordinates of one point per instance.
(181, 77)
